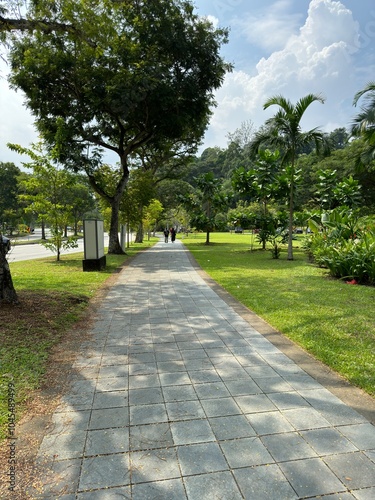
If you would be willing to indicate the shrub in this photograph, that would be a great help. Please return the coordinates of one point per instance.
(345, 245)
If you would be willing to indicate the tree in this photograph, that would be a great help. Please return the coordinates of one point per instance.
(263, 183)
(364, 124)
(8, 191)
(283, 131)
(46, 192)
(205, 203)
(151, 215)
(148, 79)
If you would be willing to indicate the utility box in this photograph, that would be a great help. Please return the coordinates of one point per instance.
(93, 239)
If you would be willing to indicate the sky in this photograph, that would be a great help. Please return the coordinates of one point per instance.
(277, 47)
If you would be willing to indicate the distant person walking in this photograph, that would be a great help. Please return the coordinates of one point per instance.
(166, 234)
(173, 234)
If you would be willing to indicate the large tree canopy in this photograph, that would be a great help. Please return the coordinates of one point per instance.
(147, 79)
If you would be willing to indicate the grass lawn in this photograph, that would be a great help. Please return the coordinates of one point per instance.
(53, 296)
(332, 320)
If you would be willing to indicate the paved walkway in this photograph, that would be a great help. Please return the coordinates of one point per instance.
(177, 396)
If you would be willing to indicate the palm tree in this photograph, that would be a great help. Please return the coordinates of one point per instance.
(283, 131)
(364, 124)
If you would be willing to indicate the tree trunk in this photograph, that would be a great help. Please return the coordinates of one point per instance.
(7, 291)
(43, 230)
(139, 235)
(291, 207)
(114, 246)
(207, 237)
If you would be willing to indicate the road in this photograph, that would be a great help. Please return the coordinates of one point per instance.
(37, 251)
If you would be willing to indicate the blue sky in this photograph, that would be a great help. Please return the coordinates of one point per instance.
(287, 47)
(292, 48)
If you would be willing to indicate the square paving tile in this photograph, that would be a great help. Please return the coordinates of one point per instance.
(179, 393)
(288, 400)
(154, 465)
(265, 482)
(143, 381)
(110, 399)
(114, 361)
(287, 447)
(82, 386)
(171, 366)
(191, 431)
(211, 390)
(148, 414)
(105, 471)
(311, 477)
(306, 418)
(169, 489)
(232, 427)
(62, 446)
(198, 364)
(245, 452)
(328, 441)
(106, 494)
(365, 494)
(109, 417)
(201, 458)
(176, 378)
(243, 387)
(141, 357)
(254, 403)
(361, 435)
(60, 478)
(112, 371)
(260, 371)
(69, 421)
(75, 402)
(220, 407)
(145, 437)
(210, 486)
(168, 356)
(145, 396)
(203, 376)
(355, 470)
(116, 349)
(184, 410)
(273, 384)
(143, 369)
(112, 384)
(107, 441)
(272, 422)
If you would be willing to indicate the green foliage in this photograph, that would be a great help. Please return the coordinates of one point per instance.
(54, 194)
(9, 209)
(283, 132)
(57, 242)
(136, 80)
(205, 203)
(346, 247)
(364, 125)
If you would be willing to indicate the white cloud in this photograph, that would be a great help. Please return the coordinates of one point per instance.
(316, 60)
(269, 28)
(213, 20)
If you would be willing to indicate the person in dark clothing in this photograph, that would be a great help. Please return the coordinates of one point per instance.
(166, 234)
(173, 234)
